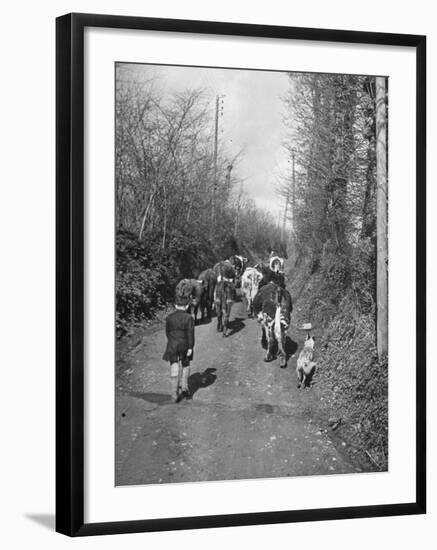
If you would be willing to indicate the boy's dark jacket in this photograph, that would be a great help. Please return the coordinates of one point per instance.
(179, 329)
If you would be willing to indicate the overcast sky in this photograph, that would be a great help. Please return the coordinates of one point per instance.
(252, 119)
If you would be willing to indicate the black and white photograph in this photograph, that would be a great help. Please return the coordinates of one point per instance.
(251, 274)
(215, 312)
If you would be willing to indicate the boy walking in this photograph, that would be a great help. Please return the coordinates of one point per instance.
(179, 329)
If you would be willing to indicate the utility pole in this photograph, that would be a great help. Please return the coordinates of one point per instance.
(284, 219)
(293, 190)
(381, 220)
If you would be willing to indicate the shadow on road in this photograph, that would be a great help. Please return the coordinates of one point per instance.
(151, 397)
(201, 380)
(236, 325)
(204, 321)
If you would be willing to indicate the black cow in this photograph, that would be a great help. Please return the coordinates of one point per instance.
(270, 276)
(208, 279)
(273, 306)
(223, 297)
(239, 264)
(224, 270)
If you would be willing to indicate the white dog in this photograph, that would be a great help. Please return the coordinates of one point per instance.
(305, 365)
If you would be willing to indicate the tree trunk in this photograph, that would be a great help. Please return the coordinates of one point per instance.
(164, 224)
(164, 230)
(381, 219)
(146, 212)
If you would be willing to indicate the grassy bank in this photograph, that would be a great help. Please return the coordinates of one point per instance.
(351, 383)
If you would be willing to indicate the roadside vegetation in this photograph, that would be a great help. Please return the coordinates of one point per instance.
(331, 204)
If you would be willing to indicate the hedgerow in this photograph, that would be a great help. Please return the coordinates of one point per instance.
(351, 382)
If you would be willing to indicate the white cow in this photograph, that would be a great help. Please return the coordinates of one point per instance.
(249, 283)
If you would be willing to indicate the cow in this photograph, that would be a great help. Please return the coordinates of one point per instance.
(208, 279)
(224, 271)
(249, 283)
(223, 298)
(273, 306)
(195, 290)
(273, 273)
(238, 263)
(269, 276)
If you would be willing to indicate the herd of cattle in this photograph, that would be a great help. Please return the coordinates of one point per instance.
(263, 288)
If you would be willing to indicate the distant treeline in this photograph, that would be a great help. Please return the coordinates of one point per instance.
(180, 205)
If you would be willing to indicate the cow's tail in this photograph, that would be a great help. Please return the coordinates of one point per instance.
(277, 327)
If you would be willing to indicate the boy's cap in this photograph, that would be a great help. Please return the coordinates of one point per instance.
(182, 299)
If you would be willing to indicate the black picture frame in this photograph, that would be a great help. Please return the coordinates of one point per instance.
(70, 273)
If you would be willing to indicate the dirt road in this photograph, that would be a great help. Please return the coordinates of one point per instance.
(246, 418)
